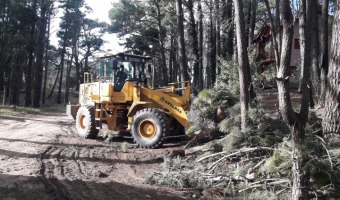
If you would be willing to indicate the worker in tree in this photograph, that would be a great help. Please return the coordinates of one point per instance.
(121, 75)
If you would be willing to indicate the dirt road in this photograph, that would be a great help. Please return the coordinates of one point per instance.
(41, 157)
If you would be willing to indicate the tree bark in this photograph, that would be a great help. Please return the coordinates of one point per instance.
(274, 37)
(331, 121)
(181, 42)
(278, 24)
(295, 121)
(55, 83)
(61, 70)
(315, 41)
(67, 82)
(47, 44)
(228, 30)
(211, 65)
(243, 62)
(164, 68)
(253, 9)
(38, 73)
(194, 43)
(200, 44)
(29, 67)
(217, 37)
(324, 51)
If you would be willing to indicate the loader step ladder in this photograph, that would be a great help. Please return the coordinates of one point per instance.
(99, 112)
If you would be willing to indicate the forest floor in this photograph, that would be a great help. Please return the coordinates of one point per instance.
(42, 157)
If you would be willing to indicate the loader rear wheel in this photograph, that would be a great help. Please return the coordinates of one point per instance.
(85, 123)
(149, 128)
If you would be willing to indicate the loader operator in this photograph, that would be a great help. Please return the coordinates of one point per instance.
(121, 77)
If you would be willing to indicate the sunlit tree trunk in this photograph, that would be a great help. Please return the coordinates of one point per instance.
(242, 61)
(324, 51)
(295, 121)
(278, 24)
(330, 121)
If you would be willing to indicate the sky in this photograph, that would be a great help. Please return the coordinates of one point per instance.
(100, 11)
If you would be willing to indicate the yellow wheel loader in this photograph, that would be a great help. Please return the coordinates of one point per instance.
(124, 97)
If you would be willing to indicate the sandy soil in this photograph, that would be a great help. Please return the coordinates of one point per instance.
(41, 157)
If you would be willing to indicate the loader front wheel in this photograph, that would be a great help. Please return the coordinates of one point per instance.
(85, 123)
(148, 128)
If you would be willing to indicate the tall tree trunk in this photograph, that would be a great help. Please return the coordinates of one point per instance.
(194, 43)
(302, 31)
(315, 40)
(274, 33)
(243, 62)
(315, 54)
(61, 71)
(29, 68)
(78, 73)
(67, 82)
(278, 24)
(253, 8)
(164, 68)
(38, 73)
(324, 51)
(181, 42)
(217, 37)
(171, 57)
(16, 78)
(227, 47)
(200, 43)
(211, 65)
(55, 83)
(47, 44)
(295, 121)
(330, 121)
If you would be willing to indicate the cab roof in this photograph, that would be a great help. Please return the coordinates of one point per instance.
(125, 56)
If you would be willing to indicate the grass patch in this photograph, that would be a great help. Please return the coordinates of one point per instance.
(17, 111)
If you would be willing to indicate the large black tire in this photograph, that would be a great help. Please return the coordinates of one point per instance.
(85, 122)
(149, 128)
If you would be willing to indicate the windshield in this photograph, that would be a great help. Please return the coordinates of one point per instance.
(128, 68)
(135, 71)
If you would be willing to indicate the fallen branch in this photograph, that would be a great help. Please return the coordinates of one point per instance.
(245, 150)
(260, 183)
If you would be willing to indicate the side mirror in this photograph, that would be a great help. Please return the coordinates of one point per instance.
(149, 68)
(114, 65)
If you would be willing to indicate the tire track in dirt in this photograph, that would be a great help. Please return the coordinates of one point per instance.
(60, 168)
(53, 188)
(74, 168)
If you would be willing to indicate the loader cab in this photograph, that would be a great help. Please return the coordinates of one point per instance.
(123, 68)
